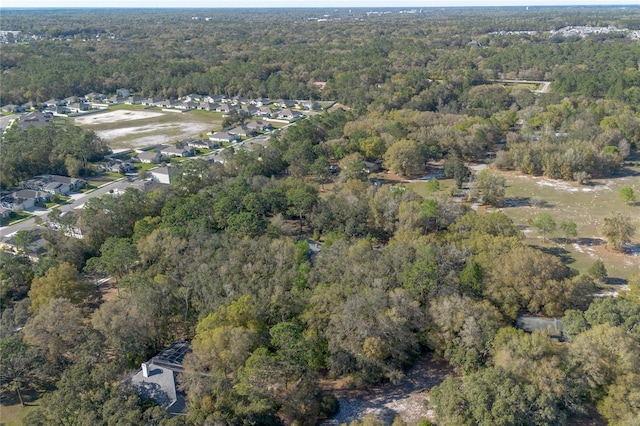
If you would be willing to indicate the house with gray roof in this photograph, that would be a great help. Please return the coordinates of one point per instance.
(157, 379)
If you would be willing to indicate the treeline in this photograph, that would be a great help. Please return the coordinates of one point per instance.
(51, 149)
(281, 55)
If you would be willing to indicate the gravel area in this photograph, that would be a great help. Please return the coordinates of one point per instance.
(407, 399)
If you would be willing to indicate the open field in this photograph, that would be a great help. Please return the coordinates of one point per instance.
(133, 127)
(587, 206)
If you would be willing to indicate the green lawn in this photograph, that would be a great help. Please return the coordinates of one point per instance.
(15, 217)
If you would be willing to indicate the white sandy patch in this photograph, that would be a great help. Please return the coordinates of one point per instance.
(115, 116)
(564, 186)
(182, 130)
(577, 248)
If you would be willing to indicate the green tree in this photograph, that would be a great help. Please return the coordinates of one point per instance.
(17, 365)
(455, 168)
(598, 271)
(56, 331)
(490, 186)
(618, 231)
(627, 195)
(23, 240)
(117, 257)
(59, 282)
(545, 224)
(405, 158)
(569, 228)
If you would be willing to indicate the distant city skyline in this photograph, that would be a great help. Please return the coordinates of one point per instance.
(47, 4)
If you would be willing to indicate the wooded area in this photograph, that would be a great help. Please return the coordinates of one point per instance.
(223, 256)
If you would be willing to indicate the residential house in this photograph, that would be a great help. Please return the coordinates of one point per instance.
(223, 137)
(288, 114)
(261, 102)
(12, 108)
(117, 100)
(197, 143)
(23, 199)
(162, 174)
(212, 99)
(370, 167)
(264, 111)
(52, 103)
(4, 212)
(123, 93)
(29, 105)
(309, 105)
(157, 378)
(207, 106)
(284, 103)
(250, 109)
(259, 126)
(118, 166)
(192, 98)
(93, 96)
(226, 108)
(150, 101)
(178, 151)
(242, 131)
(134, 100)
(53, 184)
(150, 157)
(165, 103)
(239, 100)
(78, 107)
(71, 100)
(37, 119)
(187, 105)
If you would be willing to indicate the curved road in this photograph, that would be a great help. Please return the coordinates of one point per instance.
(77, 200)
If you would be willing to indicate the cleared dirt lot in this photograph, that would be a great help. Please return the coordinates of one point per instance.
(135, 128)
(115, 116)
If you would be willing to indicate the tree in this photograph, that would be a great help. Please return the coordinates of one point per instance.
(490, 186)
(627, 195)
(598, 271)
(23, 240)
(117, 257)
(16, 365)
(405, 158)
(569, 228)
(56, 330)
(545, 224)
(455, 168)
(618, 231)
(59, 282)
(352, 167)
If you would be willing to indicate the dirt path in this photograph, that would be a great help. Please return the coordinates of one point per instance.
(406, 399)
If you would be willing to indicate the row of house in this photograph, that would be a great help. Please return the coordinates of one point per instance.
(260, 107)
(37, 190)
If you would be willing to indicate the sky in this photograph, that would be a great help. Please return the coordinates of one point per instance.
(303, 3)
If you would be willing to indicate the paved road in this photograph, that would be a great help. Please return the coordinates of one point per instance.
(4, 121)
(544, 89)
(77, 200)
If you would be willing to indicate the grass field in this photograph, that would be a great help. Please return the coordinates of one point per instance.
(586, 205)
(12, 413)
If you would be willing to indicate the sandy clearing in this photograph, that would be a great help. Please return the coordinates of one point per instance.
(180, 130)
(115, 116)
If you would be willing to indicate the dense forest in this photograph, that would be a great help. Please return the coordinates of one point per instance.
(223, 256)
